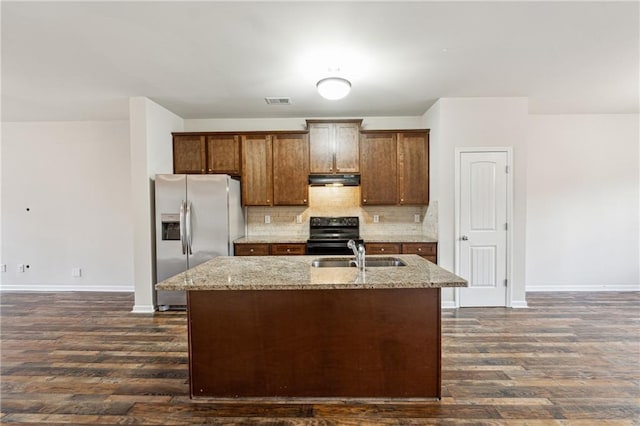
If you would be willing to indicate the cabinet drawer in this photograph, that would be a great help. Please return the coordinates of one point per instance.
(288, 249)
(383, 248)
(251, 249)
(422, 249)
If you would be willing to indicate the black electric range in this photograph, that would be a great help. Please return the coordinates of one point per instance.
(329, 235)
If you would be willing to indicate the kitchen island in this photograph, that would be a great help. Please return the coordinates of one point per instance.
(276, 326)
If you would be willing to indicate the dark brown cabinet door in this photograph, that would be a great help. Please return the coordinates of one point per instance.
(413, 167)
(251, 249)
(347, 156)
(223, 154)
(257, 171)
(378, 169)
(290, 249)
(189, 154)
(290, 170)
(383, 248)
(321, 148)
(334, 146)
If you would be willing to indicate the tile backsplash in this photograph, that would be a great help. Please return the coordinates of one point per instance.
(342, 201)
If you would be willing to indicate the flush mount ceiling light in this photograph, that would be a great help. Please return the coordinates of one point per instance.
(333, 88)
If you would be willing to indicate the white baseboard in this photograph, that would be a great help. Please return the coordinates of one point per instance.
(143, 309)
(519, 304)
(448, 304)
(584, 287)
(66, 287)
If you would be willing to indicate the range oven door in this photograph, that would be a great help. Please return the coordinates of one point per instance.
(327, 247)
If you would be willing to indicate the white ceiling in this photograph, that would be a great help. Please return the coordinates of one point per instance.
(83, 60)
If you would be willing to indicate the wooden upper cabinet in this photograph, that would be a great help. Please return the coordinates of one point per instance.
(223, 154)
(189, 154)
(378, 169)
(413, 167)
(290, 169)
(333, 146)
(321, 148)
(257, 171)
(394, 167)
(347, 159)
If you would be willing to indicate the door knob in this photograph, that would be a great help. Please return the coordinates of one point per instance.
(464, 238)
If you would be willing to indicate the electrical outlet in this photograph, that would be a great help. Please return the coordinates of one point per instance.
(376, 218)
(20, 267)
(76, 272)
(267, 218)
(416, 218)
(3, 267)
(299, 218)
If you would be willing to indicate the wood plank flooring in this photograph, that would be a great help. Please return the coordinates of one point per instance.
(83, 358)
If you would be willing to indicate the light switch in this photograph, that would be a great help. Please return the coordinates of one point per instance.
(416, 218)
(20, 267)
(376, 218)
(76, 272)
(3, 267)
(299, 218)
(267, 218)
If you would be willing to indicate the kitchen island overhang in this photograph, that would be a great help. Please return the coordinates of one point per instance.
(275, 326)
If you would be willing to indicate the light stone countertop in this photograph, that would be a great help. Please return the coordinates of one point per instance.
(398, 238)
(266, 239)
(296, 273)
(401, 238)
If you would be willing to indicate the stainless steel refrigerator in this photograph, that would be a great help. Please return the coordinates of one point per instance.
(197, 218)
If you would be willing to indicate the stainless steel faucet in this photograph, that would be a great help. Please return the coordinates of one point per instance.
(359, 253)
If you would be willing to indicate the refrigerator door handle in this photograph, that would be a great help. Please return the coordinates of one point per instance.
(183, 234)
(189, 229)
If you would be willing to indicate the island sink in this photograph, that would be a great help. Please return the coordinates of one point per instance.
(345, 262)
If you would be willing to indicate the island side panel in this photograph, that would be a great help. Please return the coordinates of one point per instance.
(315, 343)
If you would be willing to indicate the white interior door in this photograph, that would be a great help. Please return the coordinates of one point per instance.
(482, 227)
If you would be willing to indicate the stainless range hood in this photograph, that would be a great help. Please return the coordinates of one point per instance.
(334, 180)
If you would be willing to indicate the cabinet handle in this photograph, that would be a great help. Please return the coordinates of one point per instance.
(304, 201)
(330, 169)
(382, 249)
(210, 170)
(337, 169)
(419, 248)
(250, 250)
(202, 170)
(401, 199)
(288, 250)
(364, 200)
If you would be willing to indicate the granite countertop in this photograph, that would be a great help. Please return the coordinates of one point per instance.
(296, 273)
(409, 238)
(398, 238)
(265, 239)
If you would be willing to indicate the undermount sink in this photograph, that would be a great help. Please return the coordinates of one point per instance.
(346, 262)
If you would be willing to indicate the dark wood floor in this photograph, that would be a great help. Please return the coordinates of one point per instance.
(82, 358)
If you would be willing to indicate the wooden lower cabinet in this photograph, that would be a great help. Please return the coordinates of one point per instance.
(288, 249)
(251, 249)
(383, 248)
(427, 250)
(266, 249)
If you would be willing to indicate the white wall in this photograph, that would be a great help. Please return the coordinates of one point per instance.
(582, 202)
(74, 178)
(258, 124)
(151, 153)
(479, 122)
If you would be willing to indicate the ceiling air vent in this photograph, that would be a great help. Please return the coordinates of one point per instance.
(277, 101)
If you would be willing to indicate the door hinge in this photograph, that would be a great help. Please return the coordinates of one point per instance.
(506, 169)
(505, 282)
(506, 226)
